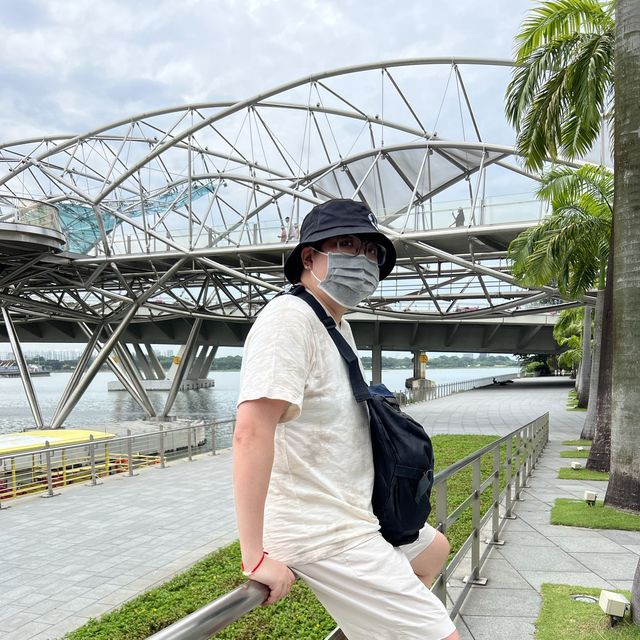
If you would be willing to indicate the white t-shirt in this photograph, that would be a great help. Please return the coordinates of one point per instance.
(319, 499)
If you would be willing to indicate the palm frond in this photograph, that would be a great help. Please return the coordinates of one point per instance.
(556, 18)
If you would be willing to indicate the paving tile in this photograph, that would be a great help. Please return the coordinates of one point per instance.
(627, 585)
(610, 566)
(485, 601)
(623, 537)
(526, 538)
(17, 620)
(588, 544)
(502, 628)
(539, 559)
(27, 631)
(501, 575)
(582, 578)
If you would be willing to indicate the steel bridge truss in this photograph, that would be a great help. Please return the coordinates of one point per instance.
(190, 211)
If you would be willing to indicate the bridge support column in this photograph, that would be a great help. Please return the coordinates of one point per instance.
(197, 364)
(416, 364)
(109, 344)
(142, 362)
(183, 366)
(130, 370)
(376, 364)
(23, 368)
(155, 363)
(80, 367)
(204, 371)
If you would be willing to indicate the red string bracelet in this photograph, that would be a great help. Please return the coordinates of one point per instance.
(250, 573)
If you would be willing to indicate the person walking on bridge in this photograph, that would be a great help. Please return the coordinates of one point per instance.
(303, 464)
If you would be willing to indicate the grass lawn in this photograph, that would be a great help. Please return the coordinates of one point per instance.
(577, 513)
(562, 618)
(577, 443)
(574, 454)
(567, 473)
(298, 616)
(572, 402)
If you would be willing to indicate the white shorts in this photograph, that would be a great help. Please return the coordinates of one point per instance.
(372, 592)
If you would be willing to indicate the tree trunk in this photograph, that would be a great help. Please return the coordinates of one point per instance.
(600, 454)
(589, 427)
(623, 490)
(585, 365)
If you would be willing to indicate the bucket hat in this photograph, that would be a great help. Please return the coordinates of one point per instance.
(338, 217)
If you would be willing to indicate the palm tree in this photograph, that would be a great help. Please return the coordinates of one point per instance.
(563, 80)
(561, 88)
(624, 483)
(567, 333)
(570, 248)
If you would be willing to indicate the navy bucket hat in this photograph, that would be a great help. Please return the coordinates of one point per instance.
(338, 218)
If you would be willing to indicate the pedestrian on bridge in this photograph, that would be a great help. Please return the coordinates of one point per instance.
(303, 464)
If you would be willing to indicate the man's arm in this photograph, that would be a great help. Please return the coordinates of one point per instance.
(253, 438)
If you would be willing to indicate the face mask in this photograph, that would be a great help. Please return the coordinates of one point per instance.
(349, 279)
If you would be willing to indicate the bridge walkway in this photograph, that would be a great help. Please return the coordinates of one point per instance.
(77, 555)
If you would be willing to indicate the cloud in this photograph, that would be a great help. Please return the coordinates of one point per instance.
(76, 65)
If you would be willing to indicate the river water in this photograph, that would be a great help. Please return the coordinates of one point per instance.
(98, 407)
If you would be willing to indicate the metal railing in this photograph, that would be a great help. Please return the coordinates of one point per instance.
(47, 469)
(512, 460)
(409, 396)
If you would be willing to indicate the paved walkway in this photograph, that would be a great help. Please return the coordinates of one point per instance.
(87, 550)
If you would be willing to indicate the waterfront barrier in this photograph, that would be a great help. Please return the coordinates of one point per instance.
(42, 471)
(448, 388)
(512, 461)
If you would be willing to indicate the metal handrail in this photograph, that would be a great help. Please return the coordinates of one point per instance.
(448, 388)
(530, 441)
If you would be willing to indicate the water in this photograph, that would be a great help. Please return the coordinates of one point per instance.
(98, 407)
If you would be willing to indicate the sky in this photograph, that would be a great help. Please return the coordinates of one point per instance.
(70, 66)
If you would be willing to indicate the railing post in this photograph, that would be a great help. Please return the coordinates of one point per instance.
(189, 445)
(47, 457)
(213, 439)
(162, 463)
(442, 514)
(495, 518)
(475, 523)
(518, 465)
(64, 467)
(129, 453)
(508, 477)
(92, 461)
(14, 478)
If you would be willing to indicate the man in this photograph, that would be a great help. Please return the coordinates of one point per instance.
(303, 468)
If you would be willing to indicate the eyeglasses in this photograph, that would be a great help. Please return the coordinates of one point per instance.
(354, 246)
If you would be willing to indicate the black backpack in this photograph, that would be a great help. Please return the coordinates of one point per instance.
(402, 451)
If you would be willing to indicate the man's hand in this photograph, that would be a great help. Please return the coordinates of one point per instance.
(277, 576)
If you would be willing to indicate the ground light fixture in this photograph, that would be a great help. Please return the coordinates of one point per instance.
(614, 605)
(590, 498)
(576, 465)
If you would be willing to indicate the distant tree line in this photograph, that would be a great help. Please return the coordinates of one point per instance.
(233, 363)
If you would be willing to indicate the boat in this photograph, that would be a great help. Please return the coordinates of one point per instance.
(9, 369)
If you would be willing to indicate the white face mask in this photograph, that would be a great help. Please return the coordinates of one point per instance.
(349, 279)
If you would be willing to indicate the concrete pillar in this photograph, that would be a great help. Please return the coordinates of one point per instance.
(155, 363)
(376, 364)
(198, 362)
(141, 361)
(416, 364)
(204, 371)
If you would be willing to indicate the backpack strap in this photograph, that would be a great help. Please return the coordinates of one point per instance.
(358, 385)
